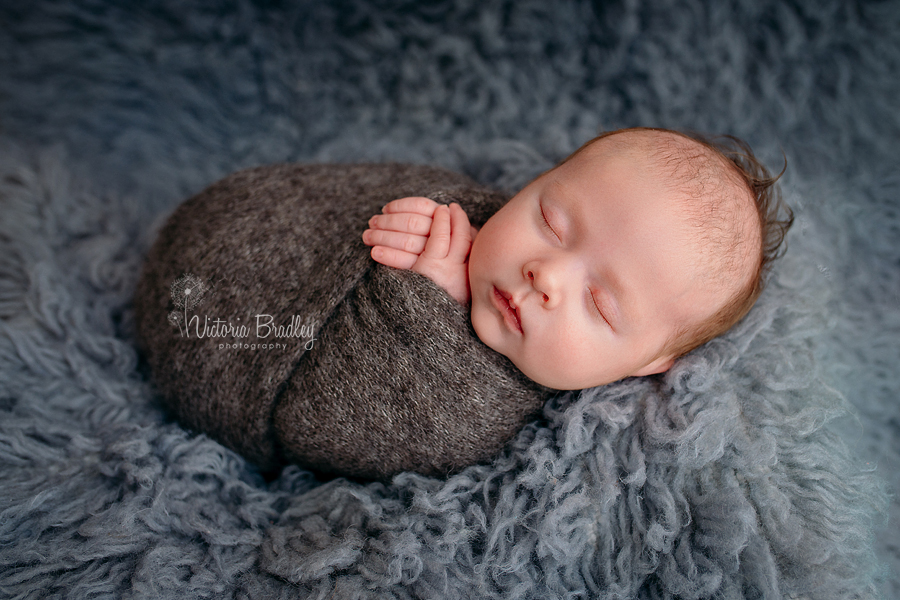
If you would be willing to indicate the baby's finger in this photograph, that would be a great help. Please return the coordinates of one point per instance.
(414, 244)
(438, 243)
(461, 240)
(392, 257)
(413, 223)
(413, 204)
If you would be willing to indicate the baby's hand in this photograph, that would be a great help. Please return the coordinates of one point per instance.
(431, 239)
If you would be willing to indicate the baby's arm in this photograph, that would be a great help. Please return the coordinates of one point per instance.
(431, 239)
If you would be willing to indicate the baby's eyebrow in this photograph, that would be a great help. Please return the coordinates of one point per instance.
(558, 184)
(559, 206)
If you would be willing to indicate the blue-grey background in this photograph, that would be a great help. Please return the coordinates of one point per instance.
(130, 107)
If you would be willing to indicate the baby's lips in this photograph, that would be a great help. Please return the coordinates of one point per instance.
(508, 310)
(513, 306)
(518, 314)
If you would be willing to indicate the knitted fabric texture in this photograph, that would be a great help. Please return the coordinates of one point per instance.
(376, 370)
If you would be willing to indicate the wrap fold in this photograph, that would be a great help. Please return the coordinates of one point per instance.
(297, 347)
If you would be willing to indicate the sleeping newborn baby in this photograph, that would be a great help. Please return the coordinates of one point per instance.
(641, 246)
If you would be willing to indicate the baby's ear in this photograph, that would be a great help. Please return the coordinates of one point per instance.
(660, 365)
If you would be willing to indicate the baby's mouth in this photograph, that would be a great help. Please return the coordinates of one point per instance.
(503, 302)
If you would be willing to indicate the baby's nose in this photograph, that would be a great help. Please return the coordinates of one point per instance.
(544, 295)
(548, 283)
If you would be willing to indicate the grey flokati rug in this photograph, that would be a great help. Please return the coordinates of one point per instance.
(759, 467)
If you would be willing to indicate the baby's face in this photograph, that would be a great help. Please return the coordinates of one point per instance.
(585, 275)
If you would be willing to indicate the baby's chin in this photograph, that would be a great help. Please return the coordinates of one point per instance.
(559, 381)
(539, 373)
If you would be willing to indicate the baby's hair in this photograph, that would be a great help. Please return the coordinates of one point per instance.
(708, 174)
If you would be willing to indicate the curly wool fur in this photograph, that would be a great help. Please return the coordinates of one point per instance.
(724, 479)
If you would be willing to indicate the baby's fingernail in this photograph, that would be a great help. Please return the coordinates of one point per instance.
(373, 220)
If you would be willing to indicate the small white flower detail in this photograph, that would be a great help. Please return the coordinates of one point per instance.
(175, 319)
(187, 292)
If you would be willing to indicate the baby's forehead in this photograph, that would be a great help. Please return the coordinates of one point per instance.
(700, 176)
(707, 189)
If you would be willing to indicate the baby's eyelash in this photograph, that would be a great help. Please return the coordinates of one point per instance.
(597, 308)
(547, 223)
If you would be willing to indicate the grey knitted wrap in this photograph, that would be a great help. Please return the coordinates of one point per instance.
(375, 370)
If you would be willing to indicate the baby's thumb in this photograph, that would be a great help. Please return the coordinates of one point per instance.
(439, 239)
(461, 236)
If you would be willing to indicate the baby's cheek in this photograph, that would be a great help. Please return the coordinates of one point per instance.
(566, 362)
